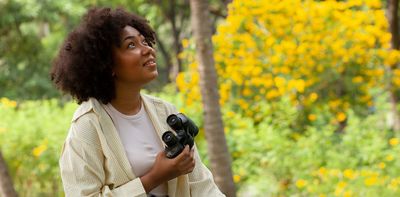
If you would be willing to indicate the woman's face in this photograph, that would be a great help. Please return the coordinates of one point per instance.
(135, 60)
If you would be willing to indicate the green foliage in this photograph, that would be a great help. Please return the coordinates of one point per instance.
(271, 159)
(31, 33)
(268, 157)
(31, 137)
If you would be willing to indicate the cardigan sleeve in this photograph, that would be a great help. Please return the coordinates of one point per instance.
(201, 180)
(82, 170)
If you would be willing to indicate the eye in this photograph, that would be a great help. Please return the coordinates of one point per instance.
(131, 45)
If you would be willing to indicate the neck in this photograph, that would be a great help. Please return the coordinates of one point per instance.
(127, 99)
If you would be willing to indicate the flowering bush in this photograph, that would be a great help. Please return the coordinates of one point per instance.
(317, 53)
(271, 160)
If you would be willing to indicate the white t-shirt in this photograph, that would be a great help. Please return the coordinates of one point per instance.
(140, 141)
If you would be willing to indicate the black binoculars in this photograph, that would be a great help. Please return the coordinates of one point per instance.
(185, 130)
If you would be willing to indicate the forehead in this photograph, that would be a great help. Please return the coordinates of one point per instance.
(129, 31)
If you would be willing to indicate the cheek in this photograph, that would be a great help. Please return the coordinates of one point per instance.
(130, 61)
(128, 67)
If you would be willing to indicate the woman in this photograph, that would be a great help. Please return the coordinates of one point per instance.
(114, 147)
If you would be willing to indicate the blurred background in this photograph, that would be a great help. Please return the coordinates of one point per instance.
(309, 90)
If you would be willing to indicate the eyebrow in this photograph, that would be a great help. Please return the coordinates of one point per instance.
(130, 37)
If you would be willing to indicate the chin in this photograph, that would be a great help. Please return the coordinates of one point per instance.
(153, 76)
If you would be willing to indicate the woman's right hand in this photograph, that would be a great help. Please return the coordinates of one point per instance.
(165, 169)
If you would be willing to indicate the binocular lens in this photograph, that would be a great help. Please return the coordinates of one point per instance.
(169, 138)
(172, 120)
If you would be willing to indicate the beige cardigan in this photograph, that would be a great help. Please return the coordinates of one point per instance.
(93, 160)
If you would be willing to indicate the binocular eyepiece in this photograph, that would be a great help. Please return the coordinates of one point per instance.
(185, 130)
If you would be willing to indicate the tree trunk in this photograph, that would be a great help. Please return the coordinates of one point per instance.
(393, 19)
(6, 185)
(214, 130)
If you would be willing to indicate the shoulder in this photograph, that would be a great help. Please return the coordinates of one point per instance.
(85, 123)
(84, 108)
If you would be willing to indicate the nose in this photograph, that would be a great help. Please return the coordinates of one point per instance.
(146, 50)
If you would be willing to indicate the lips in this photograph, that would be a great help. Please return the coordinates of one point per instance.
(150, 62)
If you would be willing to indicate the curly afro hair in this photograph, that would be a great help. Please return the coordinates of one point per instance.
(83, 66)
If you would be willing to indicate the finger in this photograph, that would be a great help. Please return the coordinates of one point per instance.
(189, 169)
(186, 161)
(183, 155)
(192, 153)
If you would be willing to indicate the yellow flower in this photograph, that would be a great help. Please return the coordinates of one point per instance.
(338, 191)
(389, 158)
(396, 81)
(8, 103)
(393, 184)
(12, 104)
(243, 104)
(272, 94)
(357, 79)
(313, 97)
(341, 116)
(279, 81)
(374, 3)
(381, 165)
(230, 114)
(185, 43)
(37, 151)
(236, 178)
(394, 141)
(301, 183)
(312, 117)
(246, 92)
(334, 104)
(349, 173)
(256, 49)
(371, 181)
(348, 194)
(180, 81)
(300, 84)
(341, 184)
(322, 171)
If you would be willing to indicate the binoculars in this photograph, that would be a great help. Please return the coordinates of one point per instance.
(185, 130)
